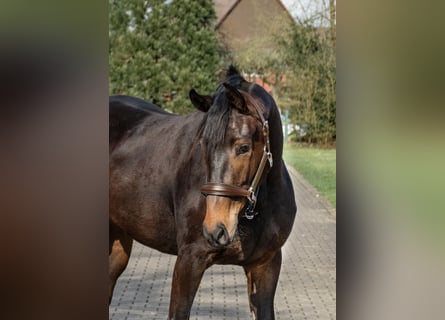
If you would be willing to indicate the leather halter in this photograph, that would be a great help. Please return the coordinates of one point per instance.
(228, 190)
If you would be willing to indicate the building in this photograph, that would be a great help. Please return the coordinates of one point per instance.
(248, 29)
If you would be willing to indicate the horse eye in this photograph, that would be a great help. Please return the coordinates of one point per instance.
(244, 148)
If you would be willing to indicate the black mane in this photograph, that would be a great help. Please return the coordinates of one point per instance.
(218, 114)
(234, 78)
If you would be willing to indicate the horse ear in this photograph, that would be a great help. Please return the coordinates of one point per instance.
(235, 98)
(201, 102)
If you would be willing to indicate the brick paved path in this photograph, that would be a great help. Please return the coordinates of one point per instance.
(306, 289)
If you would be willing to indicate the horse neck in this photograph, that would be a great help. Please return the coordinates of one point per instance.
(190, 166)
(273, 117)
(276, 145)
(197, 120)
(275, 133)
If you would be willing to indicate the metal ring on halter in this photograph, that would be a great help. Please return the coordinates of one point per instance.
(249, 213)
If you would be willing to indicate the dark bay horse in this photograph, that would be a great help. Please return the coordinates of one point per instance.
(210, 187)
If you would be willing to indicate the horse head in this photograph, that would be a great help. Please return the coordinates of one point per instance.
(236, 151)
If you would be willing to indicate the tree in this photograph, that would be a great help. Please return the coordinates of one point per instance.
(159, 50)
(298, 62)
(308, 91)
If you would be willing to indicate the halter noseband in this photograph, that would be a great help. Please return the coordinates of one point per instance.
(228, 190)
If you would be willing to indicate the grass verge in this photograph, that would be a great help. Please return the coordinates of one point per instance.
(317, 166)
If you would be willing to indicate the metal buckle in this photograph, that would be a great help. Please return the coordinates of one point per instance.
(266, 127)
(269, 156)
(267, 143)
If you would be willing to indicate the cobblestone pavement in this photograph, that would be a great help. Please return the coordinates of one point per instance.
(306, 288)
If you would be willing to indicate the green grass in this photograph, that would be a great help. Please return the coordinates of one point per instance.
(317, 166)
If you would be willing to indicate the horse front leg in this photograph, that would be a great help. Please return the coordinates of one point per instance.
(262, 280)
(189, 269)
(119, 251)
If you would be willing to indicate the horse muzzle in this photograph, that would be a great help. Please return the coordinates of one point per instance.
(221, 220)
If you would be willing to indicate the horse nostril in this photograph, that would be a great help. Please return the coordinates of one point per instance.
(220, 233)
(219, 237)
